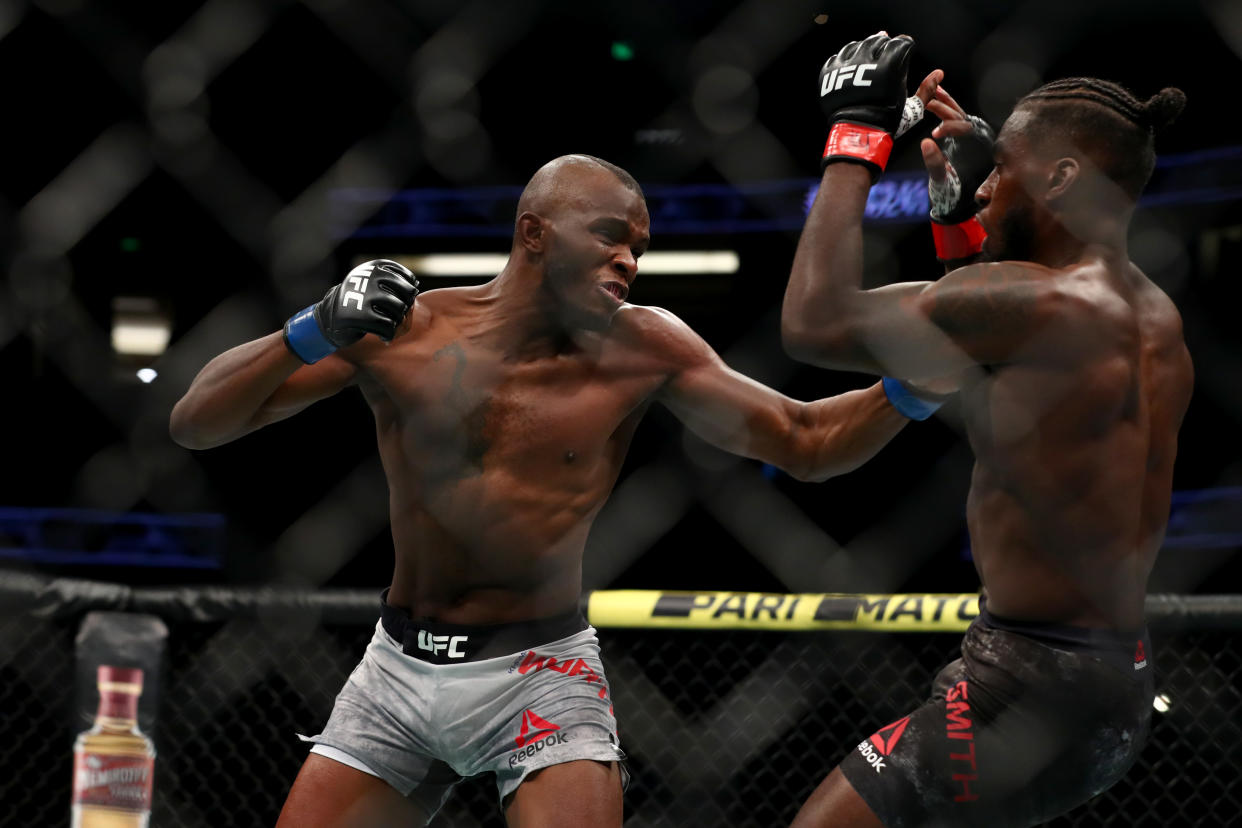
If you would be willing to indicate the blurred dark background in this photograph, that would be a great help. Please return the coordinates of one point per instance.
(215, 166)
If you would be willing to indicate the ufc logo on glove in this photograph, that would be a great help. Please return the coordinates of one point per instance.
(345, 313)
(836, 79)
(359, 284)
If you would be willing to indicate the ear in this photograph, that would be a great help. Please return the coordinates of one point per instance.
(531, 232)
(1061, 178)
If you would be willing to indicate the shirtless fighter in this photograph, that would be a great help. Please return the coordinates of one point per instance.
(1073, 379)
(503, 412)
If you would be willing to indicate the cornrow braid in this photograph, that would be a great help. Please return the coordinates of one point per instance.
(1154, 114)
(1106, 121)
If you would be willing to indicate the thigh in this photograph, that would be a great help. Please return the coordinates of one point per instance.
(328, 794)
(568, 795)
(382, 719)
(835, 804)
(551, 708)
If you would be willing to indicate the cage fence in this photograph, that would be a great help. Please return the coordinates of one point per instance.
(722, 727)
(184, 114)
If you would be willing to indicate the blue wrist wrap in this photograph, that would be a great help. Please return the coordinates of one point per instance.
(907, 402)
(304, 337)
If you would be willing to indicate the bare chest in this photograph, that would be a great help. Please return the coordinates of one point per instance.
(451, 402)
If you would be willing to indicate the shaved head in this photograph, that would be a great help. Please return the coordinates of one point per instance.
(556, 184)
(582, 224)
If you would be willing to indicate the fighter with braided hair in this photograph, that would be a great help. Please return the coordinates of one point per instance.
(1074, 378)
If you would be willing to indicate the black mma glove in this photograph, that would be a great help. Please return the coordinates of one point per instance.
(373, 298)
(957, 232)
(862, 90)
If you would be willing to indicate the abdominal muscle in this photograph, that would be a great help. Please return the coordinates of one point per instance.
(494, 547)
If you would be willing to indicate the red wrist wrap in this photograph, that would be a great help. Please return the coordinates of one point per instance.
(958, 241)
(869, 144)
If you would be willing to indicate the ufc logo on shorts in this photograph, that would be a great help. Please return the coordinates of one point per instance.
(437, 644)
(836, 79)
(359, 285)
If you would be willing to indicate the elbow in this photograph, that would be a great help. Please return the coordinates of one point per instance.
(808, 473)
(828, 472)
(805, 475)
(798, 344)
(824, 448)
(815, 475)
(183, 431)
(807, 460)
(182, 434)
(821, 345)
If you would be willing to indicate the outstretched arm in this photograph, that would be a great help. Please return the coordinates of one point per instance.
(810, 441)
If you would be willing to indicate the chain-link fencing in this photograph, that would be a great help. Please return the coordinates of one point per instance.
(225, 160)
(723, 728)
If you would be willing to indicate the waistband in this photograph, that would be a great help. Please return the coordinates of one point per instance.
(1127, 651)
(439, 643)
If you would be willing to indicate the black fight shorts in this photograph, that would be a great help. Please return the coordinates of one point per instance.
(1031, 721)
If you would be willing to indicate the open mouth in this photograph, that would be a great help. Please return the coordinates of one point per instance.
(617, 290)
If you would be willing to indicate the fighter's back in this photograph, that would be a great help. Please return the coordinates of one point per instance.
(1074, 444)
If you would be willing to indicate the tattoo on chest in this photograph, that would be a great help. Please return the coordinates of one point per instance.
(472, 407)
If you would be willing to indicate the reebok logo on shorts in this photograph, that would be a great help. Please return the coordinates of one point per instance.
(534, 727)
(886, 738)
(537, 734)
(868, 751)
(882, 742)
(1140, 657)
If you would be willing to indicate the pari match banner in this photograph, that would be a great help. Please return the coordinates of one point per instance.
(772, 611)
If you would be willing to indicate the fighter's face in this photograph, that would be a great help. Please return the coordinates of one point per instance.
(593, 251)
(1009, 208)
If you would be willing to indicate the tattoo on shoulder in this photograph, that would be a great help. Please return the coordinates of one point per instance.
(992, 298)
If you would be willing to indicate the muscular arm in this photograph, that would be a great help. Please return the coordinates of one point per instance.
(810, 441)
(977, 315)
(250, 386)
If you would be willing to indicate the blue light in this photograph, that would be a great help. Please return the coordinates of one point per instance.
(900, 197)
(99, 537)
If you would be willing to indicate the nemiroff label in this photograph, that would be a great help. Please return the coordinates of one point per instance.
(122, 782)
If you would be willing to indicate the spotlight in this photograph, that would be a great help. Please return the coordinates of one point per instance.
(685, 262)
(140, 327)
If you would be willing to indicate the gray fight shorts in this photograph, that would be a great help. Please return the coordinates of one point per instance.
(431, 704)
